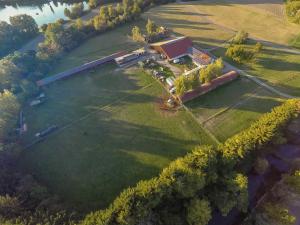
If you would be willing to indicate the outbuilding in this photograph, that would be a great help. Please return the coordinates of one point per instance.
(174, 48)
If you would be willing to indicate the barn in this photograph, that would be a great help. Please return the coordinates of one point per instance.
(174, 48)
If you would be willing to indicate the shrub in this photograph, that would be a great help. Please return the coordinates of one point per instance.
(240, 38)
(239, 54)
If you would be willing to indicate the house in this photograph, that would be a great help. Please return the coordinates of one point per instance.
(174, 48)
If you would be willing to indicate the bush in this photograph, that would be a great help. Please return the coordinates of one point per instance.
(240, 38)
(239, 54)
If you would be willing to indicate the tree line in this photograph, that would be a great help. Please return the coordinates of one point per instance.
(210, 178)
(20, 30)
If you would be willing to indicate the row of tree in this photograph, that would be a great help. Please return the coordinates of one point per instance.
(205, 75)
(60, 38)
(14, 34)
(208, 179)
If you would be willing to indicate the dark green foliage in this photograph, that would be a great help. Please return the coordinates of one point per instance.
(21, 29)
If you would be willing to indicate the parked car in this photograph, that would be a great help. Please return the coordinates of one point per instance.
(176, 61)
(173, 90)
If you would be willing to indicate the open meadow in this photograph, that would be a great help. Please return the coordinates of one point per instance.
(111, 134)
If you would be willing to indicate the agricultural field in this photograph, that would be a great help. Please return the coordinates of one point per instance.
(213, 21)
(112, 132)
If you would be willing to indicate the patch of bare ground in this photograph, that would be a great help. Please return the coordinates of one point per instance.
(164, 109)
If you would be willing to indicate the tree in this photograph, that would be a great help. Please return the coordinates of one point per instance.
(136, 34)
(150, 27)
(258, 47)
(103, 13)
(9, 109)
(119, 9)
(212, 71)
(239, 54)
(198, 212)
(9, 74)
(240, 38)
(136, 10)
(180, 85)
(112, 13)
(25, 25)
(79, 24)
(93, 3)
(8, 37)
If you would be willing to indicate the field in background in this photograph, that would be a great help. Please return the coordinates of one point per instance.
(262, 19)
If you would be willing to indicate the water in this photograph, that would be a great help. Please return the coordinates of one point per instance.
(45, 13)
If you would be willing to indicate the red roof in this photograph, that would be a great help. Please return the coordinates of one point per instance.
(175, 48)
(205, 88)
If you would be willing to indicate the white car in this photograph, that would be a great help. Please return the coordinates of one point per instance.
(176, 61)
(173, 90)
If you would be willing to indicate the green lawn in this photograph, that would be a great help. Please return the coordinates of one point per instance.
(233, 107)
(278, 68)
(112, 131)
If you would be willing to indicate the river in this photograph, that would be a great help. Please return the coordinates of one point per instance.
(42, 13)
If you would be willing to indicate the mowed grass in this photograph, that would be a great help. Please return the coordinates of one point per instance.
(233, 107)
(279, 68)
(183, 20)
(111, 134)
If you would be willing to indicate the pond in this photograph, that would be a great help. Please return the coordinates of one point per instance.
(45, 12)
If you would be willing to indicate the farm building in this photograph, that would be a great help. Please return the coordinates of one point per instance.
(174, 48)
(130, 57)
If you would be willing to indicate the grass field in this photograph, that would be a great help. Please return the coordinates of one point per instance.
(212, 21)
(112, 132)
(278, 68)
(233, 107)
